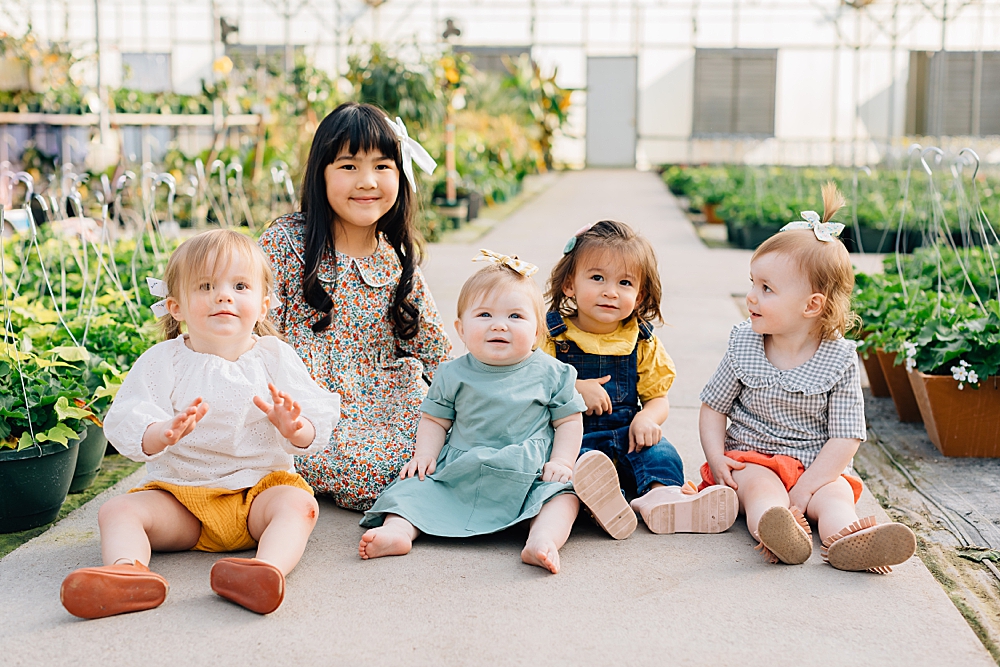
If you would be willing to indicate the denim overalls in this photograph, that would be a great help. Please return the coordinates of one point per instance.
(609, 432)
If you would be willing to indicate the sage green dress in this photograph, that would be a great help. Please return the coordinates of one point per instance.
(489, 472)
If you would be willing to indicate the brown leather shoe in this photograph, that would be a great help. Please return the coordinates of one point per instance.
(250, 583)
(96, 592)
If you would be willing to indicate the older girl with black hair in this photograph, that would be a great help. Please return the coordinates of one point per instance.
(354, 303)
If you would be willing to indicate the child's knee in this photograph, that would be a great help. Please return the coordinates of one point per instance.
(303, 506)
(114, 510)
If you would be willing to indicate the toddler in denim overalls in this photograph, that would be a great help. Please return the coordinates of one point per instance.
(602, 296)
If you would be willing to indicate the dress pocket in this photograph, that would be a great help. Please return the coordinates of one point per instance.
(500, 496)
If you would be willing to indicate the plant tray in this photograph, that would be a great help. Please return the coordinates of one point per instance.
(960, 422)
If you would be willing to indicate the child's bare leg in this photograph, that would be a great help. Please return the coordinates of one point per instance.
(135, 523)
(393, 538)
(549, 532)
(832, 507)
(759, 490)
(131, 525)
(281, 519)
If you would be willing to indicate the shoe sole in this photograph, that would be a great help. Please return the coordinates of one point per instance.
(90, 594)
(253, 585)
(876, 547)
(712, 510)
(784, 537)
(595, 482)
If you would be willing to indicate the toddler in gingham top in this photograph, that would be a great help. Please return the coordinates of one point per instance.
(216, 412)
(790, 388)
(604, 294)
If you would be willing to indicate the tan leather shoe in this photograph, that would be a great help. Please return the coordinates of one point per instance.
(595, 482)
(96, 592)
(868, 546)
(250, 583)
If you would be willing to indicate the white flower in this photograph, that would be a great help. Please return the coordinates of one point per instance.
(911, 363)
(911, 355)
(963, 373)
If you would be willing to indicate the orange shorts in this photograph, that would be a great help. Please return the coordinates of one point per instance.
(787, 469)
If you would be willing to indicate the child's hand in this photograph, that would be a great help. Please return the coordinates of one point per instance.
(594, 395)
(799, 497)
(160, 435)
(284, 414)
(722, 468)
(643, 433)
(553, 471)
(419, 466)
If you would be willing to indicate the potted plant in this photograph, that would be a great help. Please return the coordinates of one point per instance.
(40, 431)
(954, 370)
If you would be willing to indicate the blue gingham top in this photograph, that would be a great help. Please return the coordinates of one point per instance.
(791, 412)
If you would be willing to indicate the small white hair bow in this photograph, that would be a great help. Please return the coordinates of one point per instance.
(825, 231)
(159, 288)
(526, 269)
(412, 152)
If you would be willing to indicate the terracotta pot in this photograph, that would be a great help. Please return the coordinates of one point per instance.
(899, 387)
(876, 378)
(710, 217)
(960, 422)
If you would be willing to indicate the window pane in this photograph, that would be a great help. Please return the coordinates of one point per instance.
(713, 92)
(148, 72)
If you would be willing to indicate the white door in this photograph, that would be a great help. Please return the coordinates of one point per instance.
(611, 102)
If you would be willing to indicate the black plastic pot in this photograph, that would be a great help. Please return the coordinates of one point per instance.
(754, 235)
(88, 463)
(34, 483)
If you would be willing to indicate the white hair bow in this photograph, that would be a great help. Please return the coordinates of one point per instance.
(526, 269)
(825, 231)
(158, 288)
(412, 152)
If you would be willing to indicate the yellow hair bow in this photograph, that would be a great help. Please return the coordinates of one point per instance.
(524, 268)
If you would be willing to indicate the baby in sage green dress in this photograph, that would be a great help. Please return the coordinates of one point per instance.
(499, 435)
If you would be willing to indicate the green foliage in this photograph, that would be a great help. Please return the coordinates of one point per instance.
(403, 90)
(946, 314)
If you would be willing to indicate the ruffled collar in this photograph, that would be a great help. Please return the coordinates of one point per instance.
(816, 376)
(378, 269)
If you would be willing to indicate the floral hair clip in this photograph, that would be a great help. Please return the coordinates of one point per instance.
(411, 151)
(825, 231)
(568, 248)
(524, 268)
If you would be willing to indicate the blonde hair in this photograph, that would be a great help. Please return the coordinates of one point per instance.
(635, 252)
(498, 276)
(826, 264)
(207, 253)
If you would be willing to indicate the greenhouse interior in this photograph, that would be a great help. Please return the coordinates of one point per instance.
(127, 128)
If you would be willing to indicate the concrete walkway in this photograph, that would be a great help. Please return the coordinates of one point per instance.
(649, 600)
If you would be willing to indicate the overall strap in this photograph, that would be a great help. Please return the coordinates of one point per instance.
(645, 330)
(555, 324)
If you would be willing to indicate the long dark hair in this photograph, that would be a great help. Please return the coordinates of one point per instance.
(359, 128)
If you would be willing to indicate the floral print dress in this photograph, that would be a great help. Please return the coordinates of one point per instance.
(381, 380)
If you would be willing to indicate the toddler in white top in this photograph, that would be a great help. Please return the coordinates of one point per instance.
(220, 472)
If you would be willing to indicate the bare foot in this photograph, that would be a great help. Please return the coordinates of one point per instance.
(384, 541)
(543, 554)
